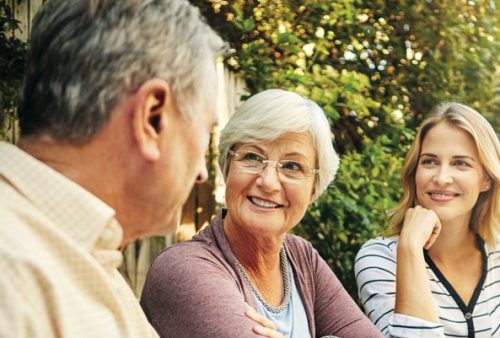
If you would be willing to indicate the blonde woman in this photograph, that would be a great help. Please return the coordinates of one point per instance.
(438, 272)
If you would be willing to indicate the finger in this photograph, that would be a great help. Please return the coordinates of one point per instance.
(430, 242)
(267, 332)
(256, 317)
(434, 235)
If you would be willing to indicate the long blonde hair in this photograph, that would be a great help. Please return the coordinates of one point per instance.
(485, 214)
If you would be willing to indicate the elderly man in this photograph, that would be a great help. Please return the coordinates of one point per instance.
(117, 109)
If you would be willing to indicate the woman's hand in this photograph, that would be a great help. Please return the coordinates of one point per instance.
(266, 328)
(413, 292)
(421, 228)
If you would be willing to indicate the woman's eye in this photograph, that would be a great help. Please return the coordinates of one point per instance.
(292, 166)
(461, 164)
(428, 162)
(252, 157)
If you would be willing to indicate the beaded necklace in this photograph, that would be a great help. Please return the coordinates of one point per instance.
(286, 284)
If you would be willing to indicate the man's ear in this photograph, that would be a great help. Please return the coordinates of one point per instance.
(149, 116)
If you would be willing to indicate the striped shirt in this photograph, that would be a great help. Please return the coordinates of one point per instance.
(59, 253)
(375, 271)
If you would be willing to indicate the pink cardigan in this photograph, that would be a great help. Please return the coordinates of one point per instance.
(194, 289)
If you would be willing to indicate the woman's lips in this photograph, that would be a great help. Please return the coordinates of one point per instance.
(442, 196)
(263, 203)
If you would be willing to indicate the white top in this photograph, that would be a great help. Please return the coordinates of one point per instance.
(375, 271)
(292, 321)
(59, 250)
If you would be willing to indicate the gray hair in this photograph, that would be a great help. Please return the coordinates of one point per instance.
(272, 113)
(86, 55)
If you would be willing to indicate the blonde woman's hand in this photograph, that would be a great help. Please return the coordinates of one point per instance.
(421, 227)
(265, 327)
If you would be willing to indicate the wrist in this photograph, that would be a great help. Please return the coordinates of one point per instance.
(409, 246)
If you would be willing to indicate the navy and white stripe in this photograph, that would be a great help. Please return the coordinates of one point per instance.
(375, 269)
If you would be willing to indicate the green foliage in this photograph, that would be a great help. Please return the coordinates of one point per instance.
(352, 210)
(12, 64)
(375, 67)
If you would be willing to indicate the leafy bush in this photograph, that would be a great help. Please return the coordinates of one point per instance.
(353, 209)
(376, 67)
(12, 64)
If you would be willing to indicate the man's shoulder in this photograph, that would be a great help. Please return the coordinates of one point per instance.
(29, 240)
(26, 261)
(18, 222)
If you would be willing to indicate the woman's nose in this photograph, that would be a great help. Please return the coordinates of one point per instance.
(269, 179)
(443, 176)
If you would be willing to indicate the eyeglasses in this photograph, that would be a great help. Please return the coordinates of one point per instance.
(255, 163)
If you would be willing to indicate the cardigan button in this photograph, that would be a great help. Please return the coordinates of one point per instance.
(468, 315)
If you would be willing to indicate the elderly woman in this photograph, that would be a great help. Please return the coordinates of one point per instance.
(277, 157)
(437, 273)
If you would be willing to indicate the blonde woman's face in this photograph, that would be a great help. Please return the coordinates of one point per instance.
(449, 175)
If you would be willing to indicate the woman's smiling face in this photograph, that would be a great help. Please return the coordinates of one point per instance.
(268, 203)
(449, 175)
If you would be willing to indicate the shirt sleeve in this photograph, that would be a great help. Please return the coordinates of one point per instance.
(10, 315)
(335, 311)
(191, 292)
(375, 271)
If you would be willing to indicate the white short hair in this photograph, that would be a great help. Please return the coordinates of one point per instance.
(268, 115)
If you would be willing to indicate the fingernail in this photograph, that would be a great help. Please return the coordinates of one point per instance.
(258, 328)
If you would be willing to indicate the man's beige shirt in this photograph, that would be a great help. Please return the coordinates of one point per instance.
(59, 257)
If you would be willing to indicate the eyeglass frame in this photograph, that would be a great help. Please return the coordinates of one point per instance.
(308, 172)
